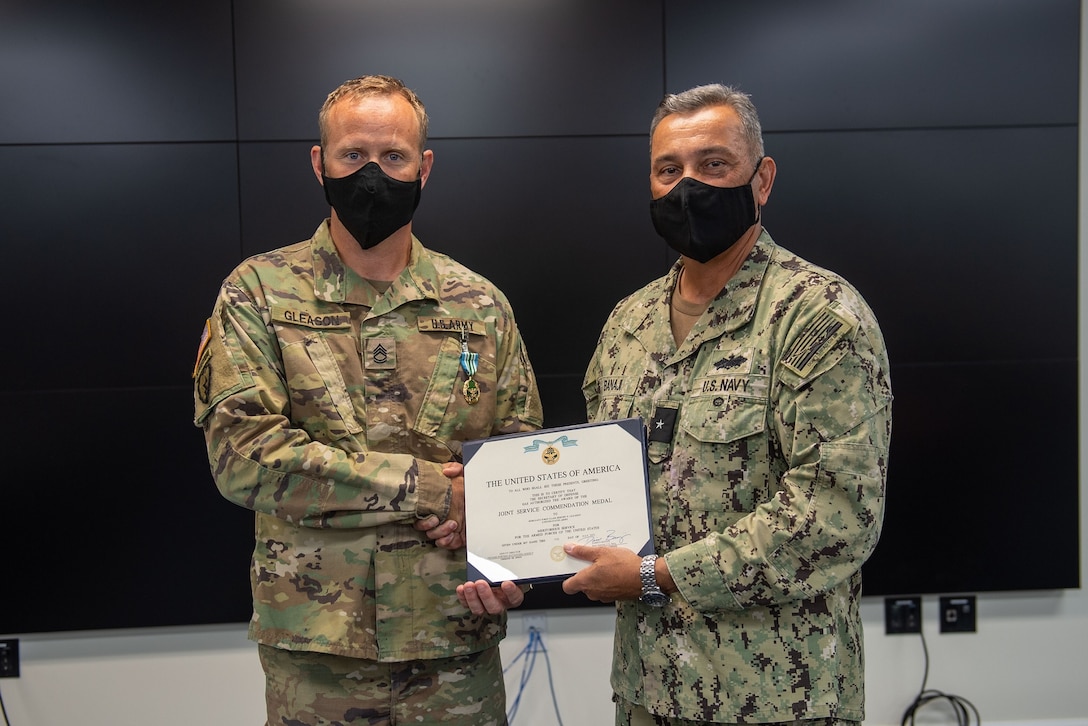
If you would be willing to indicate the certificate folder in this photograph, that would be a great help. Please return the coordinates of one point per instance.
(528, 494)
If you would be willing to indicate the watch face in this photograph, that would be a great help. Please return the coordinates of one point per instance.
(656, 599)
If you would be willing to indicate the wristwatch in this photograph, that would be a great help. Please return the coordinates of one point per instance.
(652, 595)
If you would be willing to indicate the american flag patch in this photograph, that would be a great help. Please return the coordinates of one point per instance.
(203, 344)
(821, 335)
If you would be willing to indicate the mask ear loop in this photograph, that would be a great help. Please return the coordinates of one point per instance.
(759, 163)
(759, 207)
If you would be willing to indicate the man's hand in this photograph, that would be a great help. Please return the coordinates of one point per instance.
(480, 597)
(449, 533)
(612, 576)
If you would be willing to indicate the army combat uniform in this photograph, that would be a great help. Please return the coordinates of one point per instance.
(768, 433)
(329, 409)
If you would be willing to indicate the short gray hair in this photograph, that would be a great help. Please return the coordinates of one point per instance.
(714, 94)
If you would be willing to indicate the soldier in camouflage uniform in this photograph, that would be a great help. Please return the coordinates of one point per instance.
(336, 382)
(764, 380)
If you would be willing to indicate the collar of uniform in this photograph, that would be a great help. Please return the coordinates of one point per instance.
(732, 308)
(336, 282)
(653, 310)
(736, 303)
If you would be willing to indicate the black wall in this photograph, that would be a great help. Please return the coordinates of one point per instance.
(927, 149)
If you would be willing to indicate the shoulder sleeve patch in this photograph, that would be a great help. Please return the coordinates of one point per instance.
(819, 336)
(204, 335)
(217, 375)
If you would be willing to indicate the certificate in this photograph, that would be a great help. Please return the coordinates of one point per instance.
(528, 494)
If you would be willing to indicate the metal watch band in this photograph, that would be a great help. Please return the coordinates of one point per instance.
(652, 594)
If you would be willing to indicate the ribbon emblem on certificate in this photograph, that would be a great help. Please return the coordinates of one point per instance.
(469, 363)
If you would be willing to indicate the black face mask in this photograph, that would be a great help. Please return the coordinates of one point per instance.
(701, 221)
(371, 204)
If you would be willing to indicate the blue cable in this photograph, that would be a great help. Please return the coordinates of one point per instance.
(532, 647)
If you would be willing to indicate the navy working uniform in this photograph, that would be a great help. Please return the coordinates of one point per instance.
(768, 434)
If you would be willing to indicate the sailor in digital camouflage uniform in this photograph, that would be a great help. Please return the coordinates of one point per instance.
(336, 379)
(764, 381)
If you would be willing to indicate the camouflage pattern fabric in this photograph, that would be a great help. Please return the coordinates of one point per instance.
(329, 409)
(317, 689)
(768, 433)
(628, 714)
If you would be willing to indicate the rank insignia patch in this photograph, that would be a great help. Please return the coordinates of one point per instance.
(381, 354)
(662, 424)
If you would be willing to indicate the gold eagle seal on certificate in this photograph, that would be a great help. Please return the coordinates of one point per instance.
(558, 554)
(550, 455)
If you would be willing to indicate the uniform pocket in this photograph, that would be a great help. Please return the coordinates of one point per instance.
(615, 407)
(320, 401)
(446, 413)
(723, 419)
(722, 425)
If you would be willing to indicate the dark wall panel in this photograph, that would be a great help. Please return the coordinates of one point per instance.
(562, 397)
(118, 250)
(119, 523)
(281, 200)
(857, 64)
(484, 68)
(561, 225)
(982, 480)
(118, 70)
(964, 241)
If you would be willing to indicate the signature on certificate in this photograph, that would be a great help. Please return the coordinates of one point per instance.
(609, 539)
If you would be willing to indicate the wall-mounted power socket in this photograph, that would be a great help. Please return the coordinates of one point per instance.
(9, 658)
(902, 615)
(958, 614)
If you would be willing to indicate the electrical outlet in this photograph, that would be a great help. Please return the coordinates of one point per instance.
(9, 658)
(958, 614)
(902, 615)
(534, 621)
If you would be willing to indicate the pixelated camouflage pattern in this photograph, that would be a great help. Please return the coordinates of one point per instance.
(312, 689)
(329, 409)
(767, 498)
(629, 714)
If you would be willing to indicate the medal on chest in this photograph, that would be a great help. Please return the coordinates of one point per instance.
(469, 363)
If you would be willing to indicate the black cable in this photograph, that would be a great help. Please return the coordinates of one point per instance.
(960, 706)
(3, 710)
